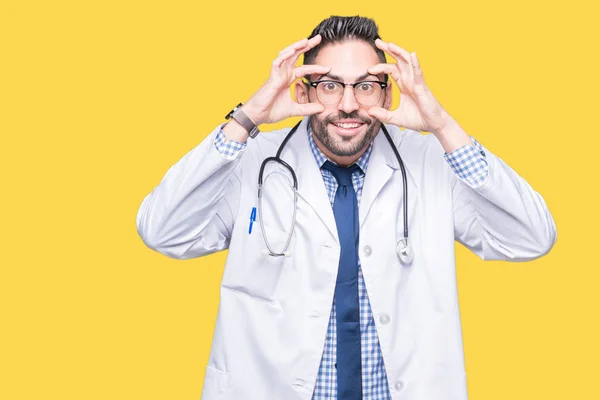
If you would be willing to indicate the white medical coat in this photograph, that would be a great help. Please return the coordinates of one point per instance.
(274, 311)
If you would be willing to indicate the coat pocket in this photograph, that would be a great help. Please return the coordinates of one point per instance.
(256, 273)
(216, 384)
(447, 384)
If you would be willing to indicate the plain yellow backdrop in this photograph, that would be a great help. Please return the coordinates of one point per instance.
(99, 98)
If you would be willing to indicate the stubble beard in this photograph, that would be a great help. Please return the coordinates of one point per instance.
(344, 146)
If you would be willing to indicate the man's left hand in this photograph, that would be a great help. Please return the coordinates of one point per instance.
(418, 110)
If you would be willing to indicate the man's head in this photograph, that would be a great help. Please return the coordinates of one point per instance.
(348, 48)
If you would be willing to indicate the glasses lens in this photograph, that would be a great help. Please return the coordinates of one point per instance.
(366, 93)
(329, 92)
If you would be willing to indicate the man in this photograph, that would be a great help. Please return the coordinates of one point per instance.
(343, 308)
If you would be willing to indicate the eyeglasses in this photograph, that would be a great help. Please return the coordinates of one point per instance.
(367, 93)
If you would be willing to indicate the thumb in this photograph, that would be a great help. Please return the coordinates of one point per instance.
(307, 109)
(380, 113)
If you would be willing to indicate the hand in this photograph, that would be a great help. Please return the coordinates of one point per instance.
(273, 102)
(418, 110)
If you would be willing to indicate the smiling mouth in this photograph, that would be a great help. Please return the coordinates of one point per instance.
(347, 128)
(349, 125)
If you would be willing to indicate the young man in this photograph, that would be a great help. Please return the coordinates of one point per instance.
(347, 290)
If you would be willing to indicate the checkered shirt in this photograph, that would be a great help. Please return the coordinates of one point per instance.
(469, 163)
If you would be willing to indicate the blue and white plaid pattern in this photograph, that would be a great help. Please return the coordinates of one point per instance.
(228, 148)
(469, 163)
(374, 378)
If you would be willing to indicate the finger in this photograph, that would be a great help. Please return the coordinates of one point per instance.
(415, 60)
(296, 49)
(292, 59)
(310, 69)
(407, 69)
(418, 72)
(282, 57)
(294, 46)
(397, 50)
(307, 109)
(314, 41)
(289, 51)
(400, 55)
(381, 114)
(395, 70)
(387, 47)
(290, 56)
(391, 69)
(304, 43)
(311, 43)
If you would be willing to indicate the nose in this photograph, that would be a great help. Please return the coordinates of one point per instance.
(348, 102)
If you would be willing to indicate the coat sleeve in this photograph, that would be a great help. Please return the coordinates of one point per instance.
(502, 218)
(191, 211)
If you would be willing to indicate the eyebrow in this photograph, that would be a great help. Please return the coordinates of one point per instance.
(339, 78)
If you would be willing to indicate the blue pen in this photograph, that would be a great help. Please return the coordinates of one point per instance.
(252, 219)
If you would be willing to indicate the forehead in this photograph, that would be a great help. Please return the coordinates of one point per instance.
(348, 59)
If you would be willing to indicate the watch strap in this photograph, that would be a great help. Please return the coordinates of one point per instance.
(241, 117)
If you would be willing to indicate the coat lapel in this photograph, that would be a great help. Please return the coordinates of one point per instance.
(381, 168)
(383, 164)
(311, 187)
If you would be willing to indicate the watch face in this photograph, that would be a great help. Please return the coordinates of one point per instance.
(228, 116)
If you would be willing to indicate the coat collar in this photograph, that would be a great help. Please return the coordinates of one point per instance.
(381, 167)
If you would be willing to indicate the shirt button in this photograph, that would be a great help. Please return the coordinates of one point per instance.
(367, 250)
(384, 319)
(398, 385)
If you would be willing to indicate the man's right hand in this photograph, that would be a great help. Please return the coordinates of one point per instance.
(273, 102)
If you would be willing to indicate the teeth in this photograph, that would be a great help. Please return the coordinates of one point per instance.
(348, 126)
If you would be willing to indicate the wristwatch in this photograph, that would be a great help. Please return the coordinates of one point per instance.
(243, 120)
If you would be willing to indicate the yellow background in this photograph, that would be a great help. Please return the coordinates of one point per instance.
(100, 98)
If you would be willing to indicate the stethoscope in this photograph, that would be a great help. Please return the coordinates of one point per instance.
(403, 247)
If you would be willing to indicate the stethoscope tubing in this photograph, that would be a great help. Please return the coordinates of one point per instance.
(277, 159)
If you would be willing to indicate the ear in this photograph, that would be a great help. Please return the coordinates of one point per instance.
(301, 92)
(388, 97)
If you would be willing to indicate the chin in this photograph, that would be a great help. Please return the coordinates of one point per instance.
(344, 146)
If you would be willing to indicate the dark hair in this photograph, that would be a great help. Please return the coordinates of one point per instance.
(337, 29)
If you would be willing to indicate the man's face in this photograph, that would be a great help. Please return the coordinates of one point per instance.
(345, 129)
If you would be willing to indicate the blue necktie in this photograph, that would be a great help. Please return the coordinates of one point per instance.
(345, 210)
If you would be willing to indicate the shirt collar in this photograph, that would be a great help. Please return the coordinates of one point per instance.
(321, 158)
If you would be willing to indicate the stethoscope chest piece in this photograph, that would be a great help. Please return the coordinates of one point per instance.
(405, 252)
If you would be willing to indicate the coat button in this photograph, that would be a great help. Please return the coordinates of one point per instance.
(398, 385)
(367, 249)
(384, 319)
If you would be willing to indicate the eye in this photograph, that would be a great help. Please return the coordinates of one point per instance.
(330, 86)
(366, 87)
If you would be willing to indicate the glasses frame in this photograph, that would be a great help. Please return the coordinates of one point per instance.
(314, 84)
